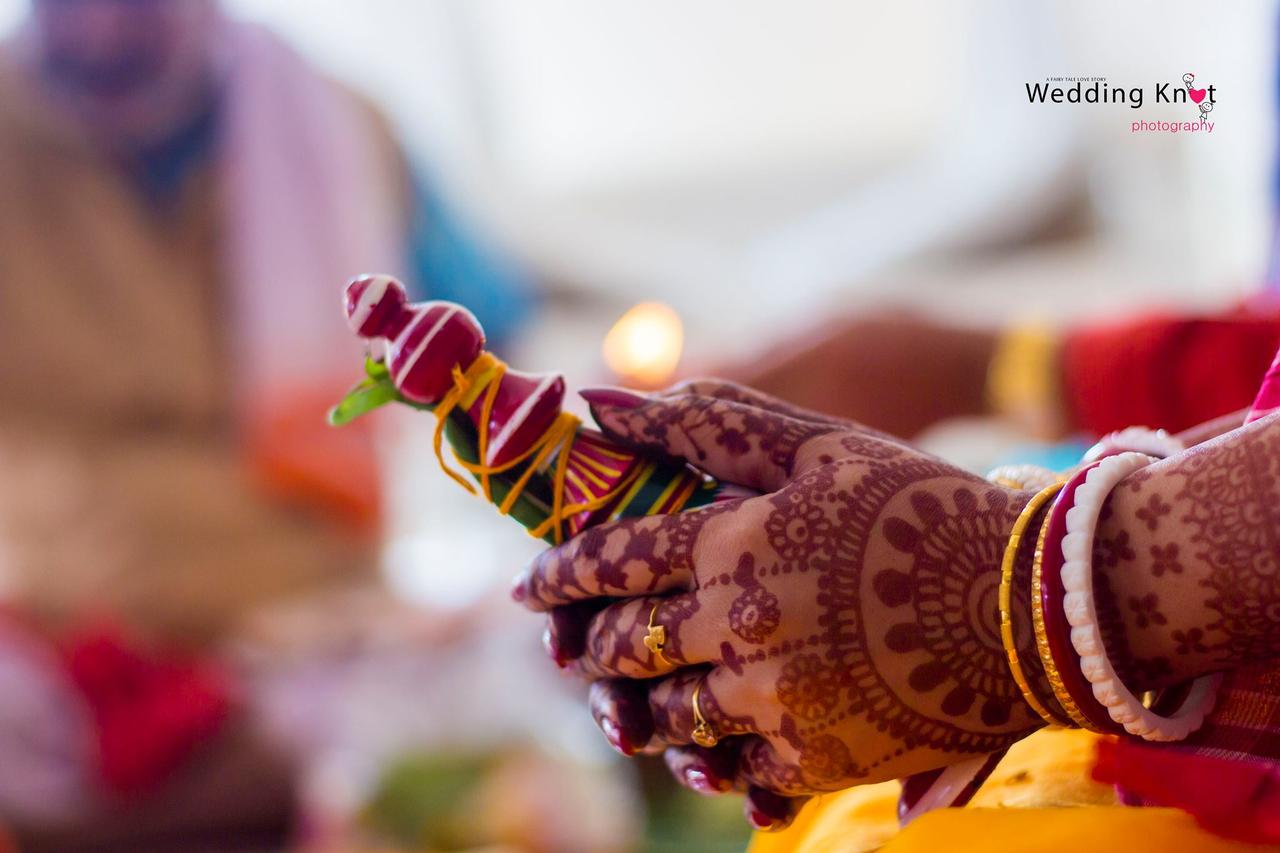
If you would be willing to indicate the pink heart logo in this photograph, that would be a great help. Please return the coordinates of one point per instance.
(1197, 95)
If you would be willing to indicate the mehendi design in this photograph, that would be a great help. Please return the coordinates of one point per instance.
(1231, 507)
(858, 599)
(1164, 558)
(1153, 511)
(754, 614)
(938, 621)
(735, 429)
(808, 687)
(1146, 610)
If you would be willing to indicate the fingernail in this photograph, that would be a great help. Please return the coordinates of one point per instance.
(617, 398)
(553, 648)
(520, 587)
(567, 627)
(617, 740)
(621, 710)
(702, 780)
(766, 810)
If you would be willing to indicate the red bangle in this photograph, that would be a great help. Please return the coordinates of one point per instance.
(1065, 662)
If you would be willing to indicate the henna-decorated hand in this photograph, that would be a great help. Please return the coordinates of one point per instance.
(843, 624)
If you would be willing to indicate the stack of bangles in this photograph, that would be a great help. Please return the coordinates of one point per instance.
(1064, 613)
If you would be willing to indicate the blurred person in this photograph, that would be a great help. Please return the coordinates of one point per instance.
(177, 192)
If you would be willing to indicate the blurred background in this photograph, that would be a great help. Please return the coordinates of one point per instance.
(224, 628)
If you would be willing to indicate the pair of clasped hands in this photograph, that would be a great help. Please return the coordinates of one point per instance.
(838, 629)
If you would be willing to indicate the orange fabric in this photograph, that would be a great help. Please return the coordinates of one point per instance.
(300, 459)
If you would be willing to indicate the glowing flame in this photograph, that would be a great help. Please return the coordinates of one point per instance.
(644, 345)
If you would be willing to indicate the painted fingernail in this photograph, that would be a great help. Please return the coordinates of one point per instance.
(520, 587)
(617, 740)
(553, 648)
(766, 810)
(621, 710)
(701, 780)
(567, 630)
(617, 398)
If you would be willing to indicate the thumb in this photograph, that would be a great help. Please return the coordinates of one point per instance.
(730, 441)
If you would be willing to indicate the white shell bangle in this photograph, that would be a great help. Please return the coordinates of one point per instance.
(1081, 612)
(1153, 442)
(1033, 478)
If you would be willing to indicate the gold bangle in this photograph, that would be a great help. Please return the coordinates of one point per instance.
(1006, 600)
(1051, 675)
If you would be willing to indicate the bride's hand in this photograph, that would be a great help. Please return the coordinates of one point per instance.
(843, 625)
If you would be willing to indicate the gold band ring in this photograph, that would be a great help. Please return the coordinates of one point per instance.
(703, 734)
(656, 639)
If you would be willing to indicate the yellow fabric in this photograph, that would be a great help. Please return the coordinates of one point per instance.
(1046, 771)
(1022, 380)
(1101, 829)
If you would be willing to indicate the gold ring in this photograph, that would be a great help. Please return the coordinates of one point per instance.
(703, 734)
(656, 639)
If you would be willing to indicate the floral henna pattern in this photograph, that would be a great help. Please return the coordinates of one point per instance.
(735, 429)
(935, 614)
(754, 614)
(825, 759)
(1164, 558)
(1204, 529)
(867, 447)
(1146, 610)
(854, 609)
(800, 529)
(808, 687)
(734, 393)
(1231, 507)
(1153, 511)
(1111, 551)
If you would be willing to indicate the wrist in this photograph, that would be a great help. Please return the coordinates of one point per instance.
(1143, 581)
(1018, 626)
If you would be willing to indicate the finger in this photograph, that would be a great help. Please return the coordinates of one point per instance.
(671, 705)
(730, 441)
(707, 771)
(620, 643)
(620, 708)
(723, 389)
(635, 556)
(770, 812)
(565, 637)
(760, 765)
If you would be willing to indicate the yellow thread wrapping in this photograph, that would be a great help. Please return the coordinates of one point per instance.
(1006, 600)
(485, 376)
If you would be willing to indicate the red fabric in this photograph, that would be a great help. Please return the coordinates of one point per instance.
(1164, 370)
(150, 711)
(1231, 798)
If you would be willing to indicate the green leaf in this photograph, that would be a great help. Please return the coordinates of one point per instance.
(362, 399)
